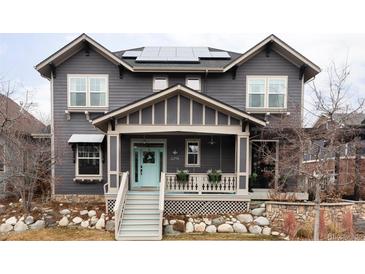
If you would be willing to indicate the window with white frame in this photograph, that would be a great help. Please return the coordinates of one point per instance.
(193, 82)
(89, 161)
(160, 83)
(192, 152)
(88, 90)
(267, 92)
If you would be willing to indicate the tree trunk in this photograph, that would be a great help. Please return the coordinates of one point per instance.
(317, 210)
(357, 173)
(337, 171)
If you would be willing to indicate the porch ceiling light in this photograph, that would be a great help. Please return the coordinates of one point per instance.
(211, 142)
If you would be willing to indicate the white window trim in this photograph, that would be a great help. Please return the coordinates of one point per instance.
(187, 141)
(194, 77)
(159, 77)
(89, 176)
(87, 76)
(266, 92)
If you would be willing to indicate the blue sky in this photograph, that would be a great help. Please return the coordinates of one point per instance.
(19, 53)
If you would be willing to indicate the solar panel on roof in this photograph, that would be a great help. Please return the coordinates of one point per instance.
(176, 54)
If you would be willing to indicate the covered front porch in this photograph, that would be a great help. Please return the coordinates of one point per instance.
(175, 131)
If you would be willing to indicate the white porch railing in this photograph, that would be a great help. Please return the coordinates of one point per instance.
(161, 205)
(199, 183)
(120, 202)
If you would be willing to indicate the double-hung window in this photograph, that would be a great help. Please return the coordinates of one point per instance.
(192, 153)
(193, 82)
(88, 91)
(160, 83)
(89, 162)
(267, 92)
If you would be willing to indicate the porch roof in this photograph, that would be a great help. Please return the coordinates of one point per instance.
(176, 89)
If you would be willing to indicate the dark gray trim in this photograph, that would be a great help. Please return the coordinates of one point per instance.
(113, 153)
(160, 113)
(172, 110)
(197, 113)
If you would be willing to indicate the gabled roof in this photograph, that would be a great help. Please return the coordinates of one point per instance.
(14, 117)
(308, 68)
(184, 90)
(72, 48)
(274, 43)
(346, 119)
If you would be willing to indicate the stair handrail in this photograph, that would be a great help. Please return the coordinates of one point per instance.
(120, 201)
(161, 205)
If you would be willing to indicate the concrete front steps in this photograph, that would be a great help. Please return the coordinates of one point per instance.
(141, 219)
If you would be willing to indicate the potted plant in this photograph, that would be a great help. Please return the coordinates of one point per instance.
(214, 176)
(182, 176)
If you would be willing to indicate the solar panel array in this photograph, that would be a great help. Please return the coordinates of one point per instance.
(175, 54)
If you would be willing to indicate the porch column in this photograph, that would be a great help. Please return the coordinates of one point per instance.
(242, 162)
(113, 160)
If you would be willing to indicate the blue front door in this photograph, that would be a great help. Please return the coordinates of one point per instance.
(146, 166)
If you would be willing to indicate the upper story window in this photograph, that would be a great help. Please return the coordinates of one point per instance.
(193, 82)
(192, 152)
(88, 90)
(267, 92)
(160, 83)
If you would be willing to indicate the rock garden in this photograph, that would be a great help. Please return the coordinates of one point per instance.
(51, 215)
(253, 222)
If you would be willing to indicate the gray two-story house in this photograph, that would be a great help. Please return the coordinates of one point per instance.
(158, 130)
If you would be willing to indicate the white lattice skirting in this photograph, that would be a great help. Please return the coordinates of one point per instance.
(110, 203)
(204, 207)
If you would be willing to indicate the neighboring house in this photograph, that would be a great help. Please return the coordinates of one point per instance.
(341, 163)
(128, 120)
(14, 118)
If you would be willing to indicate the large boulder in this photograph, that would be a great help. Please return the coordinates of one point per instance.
(239, 228)
(50, 221)
(4, 228)
(93, 220)
(100, 224)
(258, 211)
(262, 221)
(169, 230)
(20, 227)
(38, 225)
(77, 220)
(11, 221)
(91, 213)
(84, 212)
(207, 221)
(189, 227)
(266, 230)
(219, 220)
(245, 218)
(29, 220)
(179, 225)
(200, 227)
(64, 221)
(65, 211)
(110, 225)
(255, 229)
(85, 224)
(211, 229)
(225, 228)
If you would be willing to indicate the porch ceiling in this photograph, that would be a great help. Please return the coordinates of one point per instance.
(178, 90)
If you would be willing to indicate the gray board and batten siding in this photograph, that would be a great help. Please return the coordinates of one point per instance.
(134, 86)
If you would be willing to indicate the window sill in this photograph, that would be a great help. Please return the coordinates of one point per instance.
(266, 110)
(89, 109)
(88, 178)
